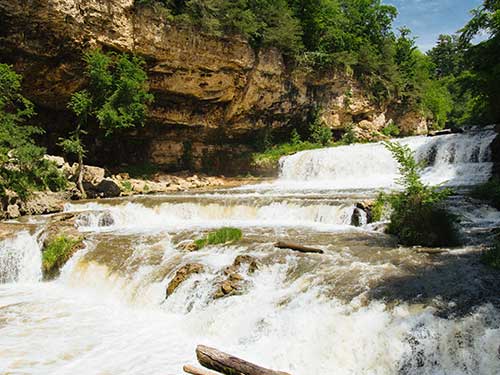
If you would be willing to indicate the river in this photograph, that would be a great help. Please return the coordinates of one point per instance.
(365, 306)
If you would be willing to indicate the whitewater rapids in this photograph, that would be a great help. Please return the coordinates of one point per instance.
(366, 306)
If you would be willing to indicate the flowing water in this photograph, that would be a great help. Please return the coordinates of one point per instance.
(366, 306)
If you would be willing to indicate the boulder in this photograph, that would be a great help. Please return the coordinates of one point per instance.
(13, 211)
(106, 219)
(233, 282)
(57, 160)
(253, 264)
(182, 275)
(41, 203)
(108, 188)
(93, 175)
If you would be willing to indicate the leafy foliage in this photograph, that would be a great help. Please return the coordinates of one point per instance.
(220, 236)
(57, 252)
(116, 98)
(492, 256)
(489, 191)
(418, 217)
(349, 137)
(391, 130)
(22, 167)
(320, 133)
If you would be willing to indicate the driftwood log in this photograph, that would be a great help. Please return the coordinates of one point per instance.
(197, 371)
(296, 247)
(227, 364)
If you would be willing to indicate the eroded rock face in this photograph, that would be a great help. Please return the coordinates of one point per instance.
(213, 96)
(182, 275)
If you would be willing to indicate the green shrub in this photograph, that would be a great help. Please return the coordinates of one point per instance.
(349, 136)
(127, 186)
(492, 256)
(391, 130)
(320, 133)
(489, 191)
(220, 236)
(57, 252)
(418, 216)
(379, 206)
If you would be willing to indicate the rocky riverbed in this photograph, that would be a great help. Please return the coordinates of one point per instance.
(100, 183)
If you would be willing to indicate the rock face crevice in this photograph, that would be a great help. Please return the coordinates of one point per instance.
(213, 95)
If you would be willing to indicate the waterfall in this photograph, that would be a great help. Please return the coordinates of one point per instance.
(20, 259)
(455, 160)
(205, 214)
(364, 306)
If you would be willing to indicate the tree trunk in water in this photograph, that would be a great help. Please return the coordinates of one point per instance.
(296, 247)
(227, 364)
(80, 177)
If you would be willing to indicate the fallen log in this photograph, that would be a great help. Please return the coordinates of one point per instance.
(296, 247)
(227, 364)
(197, 371)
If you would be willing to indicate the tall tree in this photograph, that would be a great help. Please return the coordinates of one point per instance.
(116, 97)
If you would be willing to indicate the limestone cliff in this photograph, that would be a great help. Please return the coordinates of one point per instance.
(212, 95)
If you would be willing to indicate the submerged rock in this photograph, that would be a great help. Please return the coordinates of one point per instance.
(182, 275)
(253, 264)
(233, 282)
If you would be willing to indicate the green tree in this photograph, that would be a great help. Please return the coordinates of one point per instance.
(418, 216)
(483, 59)
(22, 167)
(447, 56)
(116, 98)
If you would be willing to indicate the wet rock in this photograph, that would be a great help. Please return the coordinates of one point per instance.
(253, 264)
(108, 188)
(235, 277)
(190, 246)
(227, 287)
(106, 219)
(358, 217)
(13, 211)
(233, 282)
(182, 275)
(63, 224)
(41, 203)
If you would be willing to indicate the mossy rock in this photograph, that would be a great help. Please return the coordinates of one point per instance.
(225, 235)
(57, 252)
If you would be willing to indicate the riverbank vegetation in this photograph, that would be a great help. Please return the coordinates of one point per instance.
(489, 192)
(418, 215)
(22, 166)
(492, 256)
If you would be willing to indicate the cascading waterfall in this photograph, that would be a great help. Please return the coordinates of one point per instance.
(20, 259)
(185, 215)
(348, 311)
(456, 159)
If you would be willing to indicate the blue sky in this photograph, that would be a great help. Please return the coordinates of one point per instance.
(429, 18)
